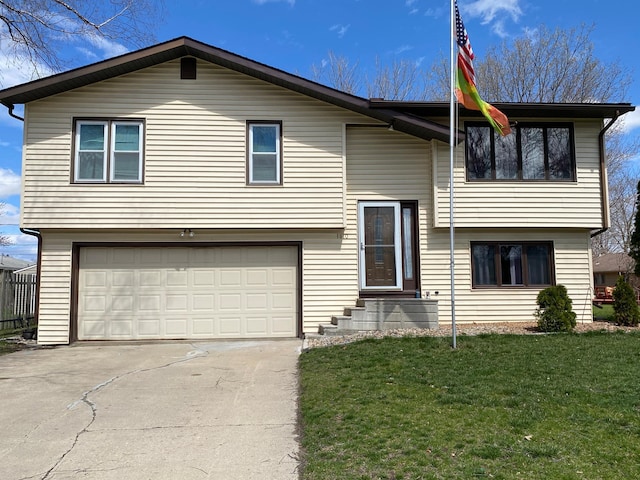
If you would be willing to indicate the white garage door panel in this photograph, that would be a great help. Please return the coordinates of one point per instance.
(171, 293)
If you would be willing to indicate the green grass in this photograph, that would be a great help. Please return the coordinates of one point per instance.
(605, 313)
(7, 347)
(500, 406)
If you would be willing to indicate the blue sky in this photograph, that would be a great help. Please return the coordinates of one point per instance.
(293, 35)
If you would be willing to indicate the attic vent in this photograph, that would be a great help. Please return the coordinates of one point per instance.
(188, 68)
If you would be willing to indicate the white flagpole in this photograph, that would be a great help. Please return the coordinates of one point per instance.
(452, 137)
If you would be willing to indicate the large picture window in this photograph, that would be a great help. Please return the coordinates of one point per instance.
(532, 152)
(512, 264)
(264, 152)
(108, 151)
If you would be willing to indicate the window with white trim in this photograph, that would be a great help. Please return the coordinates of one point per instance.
(108, 151)
(264, 153)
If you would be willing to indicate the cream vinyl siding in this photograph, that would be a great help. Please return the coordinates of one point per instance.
(195, 155)
(572, 269)
(55, 290)
(386, 165)
(524, 204)
(329, 279)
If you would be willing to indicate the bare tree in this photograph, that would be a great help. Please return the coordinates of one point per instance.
(402, 80)
(37, 30)
(550, 66)
(4, 240)
(337, 72)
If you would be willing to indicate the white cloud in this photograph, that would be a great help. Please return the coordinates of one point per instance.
(24, 240)
(630, 121)
(107, 47)
(9, 214)
(413, 11)
(16, 69)
(435, 12)
(408, 3)
(401, 49)
(22, 246)
(10, 183)
(488, 10)
(340, 29)
(262, 2)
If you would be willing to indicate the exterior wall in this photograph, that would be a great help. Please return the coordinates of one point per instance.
(382, 165)
(387, 165)
(572, 269)
(326, 287)
(195, 155)
(524, 204)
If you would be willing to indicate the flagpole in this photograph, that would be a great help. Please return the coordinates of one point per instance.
(452, 132)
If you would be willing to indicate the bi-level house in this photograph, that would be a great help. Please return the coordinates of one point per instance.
(182, 191)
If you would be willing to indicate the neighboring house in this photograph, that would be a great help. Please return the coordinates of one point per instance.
(182, 191)
(11, 264)
(606, 270)
(31, 270)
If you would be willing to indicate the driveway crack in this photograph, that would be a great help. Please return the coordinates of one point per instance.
(191, 355)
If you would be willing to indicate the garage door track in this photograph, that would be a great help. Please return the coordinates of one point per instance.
(220, 410)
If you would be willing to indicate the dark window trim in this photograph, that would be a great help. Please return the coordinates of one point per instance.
(248, 153)
(109, 121)
(516, 131)
(525, 271)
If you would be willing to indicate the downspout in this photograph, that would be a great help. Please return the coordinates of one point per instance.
(11, 106)
(36, 233)
(604, 187)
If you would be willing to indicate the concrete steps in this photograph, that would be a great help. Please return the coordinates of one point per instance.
(384, 314)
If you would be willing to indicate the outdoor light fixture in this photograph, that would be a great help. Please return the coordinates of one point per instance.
(187, 232)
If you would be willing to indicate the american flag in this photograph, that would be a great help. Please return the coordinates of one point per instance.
(466, 90)
(465, 52)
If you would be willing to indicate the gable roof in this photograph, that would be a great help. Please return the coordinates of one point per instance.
(185, 46)
(11, 263)
(613, 262)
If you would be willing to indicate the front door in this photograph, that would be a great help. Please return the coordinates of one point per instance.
(387, 236)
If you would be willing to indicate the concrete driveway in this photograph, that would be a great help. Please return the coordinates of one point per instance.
(219, 410)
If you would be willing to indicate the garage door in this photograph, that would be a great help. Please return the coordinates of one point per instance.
(187, 292)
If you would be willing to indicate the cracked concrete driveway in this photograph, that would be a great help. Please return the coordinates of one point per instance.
(220, 410)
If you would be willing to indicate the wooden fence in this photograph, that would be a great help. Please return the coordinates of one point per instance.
(17, 300)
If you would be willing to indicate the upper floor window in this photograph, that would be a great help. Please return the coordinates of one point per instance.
(264, 153)
(512, 264)
(108, 151)
(543, 152)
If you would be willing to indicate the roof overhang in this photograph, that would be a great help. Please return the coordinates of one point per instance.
(403, 121)
(516, 110)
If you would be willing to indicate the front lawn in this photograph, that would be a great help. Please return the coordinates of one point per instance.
(500, 406)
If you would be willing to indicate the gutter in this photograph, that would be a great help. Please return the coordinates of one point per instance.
(36, 233)
(604, 187)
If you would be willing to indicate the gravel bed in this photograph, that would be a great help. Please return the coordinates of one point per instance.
(515, 328)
